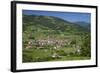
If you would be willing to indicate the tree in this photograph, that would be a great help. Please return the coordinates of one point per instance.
(86, 48)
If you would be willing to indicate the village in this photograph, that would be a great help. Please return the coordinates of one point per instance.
(54, 44)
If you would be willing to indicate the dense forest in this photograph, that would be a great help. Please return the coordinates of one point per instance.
(48, 38)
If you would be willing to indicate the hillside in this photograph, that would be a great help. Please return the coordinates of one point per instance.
(52, 23)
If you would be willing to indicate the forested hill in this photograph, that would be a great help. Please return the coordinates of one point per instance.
(52, 23)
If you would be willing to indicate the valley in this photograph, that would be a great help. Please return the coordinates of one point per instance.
(48, 38)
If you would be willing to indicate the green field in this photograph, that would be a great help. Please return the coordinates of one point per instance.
(46, 55)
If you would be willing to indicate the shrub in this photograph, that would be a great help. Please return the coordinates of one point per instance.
(62, 53)
(27, 58)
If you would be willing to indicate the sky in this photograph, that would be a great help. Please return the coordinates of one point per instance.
(68, 16)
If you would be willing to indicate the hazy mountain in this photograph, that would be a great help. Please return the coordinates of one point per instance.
(83, 24)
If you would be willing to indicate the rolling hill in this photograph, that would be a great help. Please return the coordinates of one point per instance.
(52, 23)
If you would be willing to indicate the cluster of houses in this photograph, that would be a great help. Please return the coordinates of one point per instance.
(50, 42)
